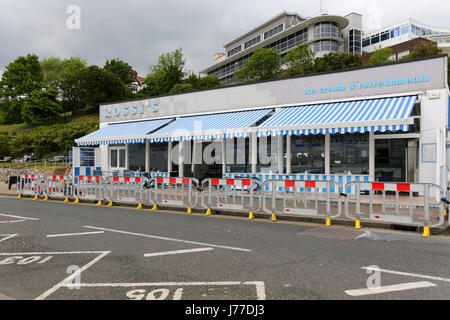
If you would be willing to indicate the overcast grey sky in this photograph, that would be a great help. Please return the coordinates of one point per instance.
(138, 31)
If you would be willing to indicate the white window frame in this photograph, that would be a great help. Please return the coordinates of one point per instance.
(118, 167)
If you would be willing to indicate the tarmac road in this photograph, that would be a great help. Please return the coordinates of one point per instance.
(55, 250)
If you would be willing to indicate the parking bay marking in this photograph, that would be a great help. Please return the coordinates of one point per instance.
(12, 221)
(408, 274)
(155, 254)
(66, 281)
(392, 288)
(169, 239)
(74, 234)
(260, 286)
(18, 217)
(7, 236)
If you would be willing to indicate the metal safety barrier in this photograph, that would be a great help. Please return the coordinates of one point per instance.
(174, 192)
(302, 198)
(30, 185)
(230, 195)
(416, 209)
(124, 189)
(59, 187)
(90, 188)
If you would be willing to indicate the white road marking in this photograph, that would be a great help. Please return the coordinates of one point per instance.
(50, 253)
(12, 221)
(18, 217)
(260, 286)
(392, 288)
(66, 281)
(169, 239)
(409, 274)
(73, 234)
(155, 254)
(8, 236)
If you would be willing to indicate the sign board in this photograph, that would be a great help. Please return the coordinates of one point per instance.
(396, 78)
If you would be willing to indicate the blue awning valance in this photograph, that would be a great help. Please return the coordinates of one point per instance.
(388, 114)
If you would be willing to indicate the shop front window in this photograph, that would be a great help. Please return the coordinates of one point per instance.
(238, 155)
(136, 157)
(349, 153)
(308, 154)
(159, 155)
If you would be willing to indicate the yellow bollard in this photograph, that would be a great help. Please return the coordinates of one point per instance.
(19, 196)
(99, 203)
(426, 232)
(77, 200)
(251, 216)
(110, 204)
(208, 212)
(35, 198)
(46, 198)
(66, 200)
(328, 222)
(189, 210)
(139, 206)
(357, 224)
(273, 218)
(155, 207)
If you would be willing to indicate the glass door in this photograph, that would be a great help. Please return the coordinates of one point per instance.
(117, 157)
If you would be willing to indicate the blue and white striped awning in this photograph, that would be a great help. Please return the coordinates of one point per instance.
(122, 133)
(376, 115)
(210, 127)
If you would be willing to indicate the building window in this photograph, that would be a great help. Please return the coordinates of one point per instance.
(252, 42)
(375, 39)
(136, 156)
(349, 152)
(234, 51)
(354, 45)
(326, 29)
(273, 32)
(87, 157)
(385, 36)
(366, 42)
(308, 154)
(159, 156)
(395, 32)
(326, 45)
(238, 155)
(117, 157)
(405, 29)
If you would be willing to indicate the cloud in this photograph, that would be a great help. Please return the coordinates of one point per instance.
(138, 31)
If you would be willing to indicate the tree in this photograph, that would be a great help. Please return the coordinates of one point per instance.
(337, 61)
(42, 107)
(168, 72)
(121, 69)
(381, 55)
(99, 86)
(424, 50)
(299, 61)
(20, 78)
(66, 76)
(264, 64)
(5, 148)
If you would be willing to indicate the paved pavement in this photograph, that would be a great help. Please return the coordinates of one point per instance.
(54, 250)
